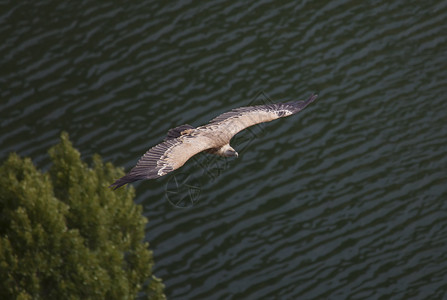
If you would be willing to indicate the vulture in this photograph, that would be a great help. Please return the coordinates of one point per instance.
(185, 141)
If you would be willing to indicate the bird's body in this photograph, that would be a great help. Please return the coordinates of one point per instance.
(185, 141)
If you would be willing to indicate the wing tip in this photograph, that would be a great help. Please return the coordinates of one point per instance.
(131, 177)
(311, 98)
(128, 178)
(297, 106)
(120, 182)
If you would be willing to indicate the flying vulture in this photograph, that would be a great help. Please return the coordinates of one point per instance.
(185, 141)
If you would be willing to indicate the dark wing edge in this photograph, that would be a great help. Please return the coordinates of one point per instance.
(151, 165)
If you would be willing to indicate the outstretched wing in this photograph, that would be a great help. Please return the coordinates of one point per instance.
(167, 156)
(230, 123)
(184, 141)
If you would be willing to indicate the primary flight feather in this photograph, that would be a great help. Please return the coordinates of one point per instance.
(185, 141)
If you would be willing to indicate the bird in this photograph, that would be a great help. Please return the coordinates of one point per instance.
(185, 141)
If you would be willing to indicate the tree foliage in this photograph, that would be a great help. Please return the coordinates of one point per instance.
(65, 235)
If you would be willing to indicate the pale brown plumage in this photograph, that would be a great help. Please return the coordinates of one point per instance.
(185, 141)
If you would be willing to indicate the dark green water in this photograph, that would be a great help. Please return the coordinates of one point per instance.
(346, 200)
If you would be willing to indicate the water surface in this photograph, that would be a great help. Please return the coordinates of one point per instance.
(346, 200)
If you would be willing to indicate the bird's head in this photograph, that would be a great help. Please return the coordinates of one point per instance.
(231, 153)
(228, 151)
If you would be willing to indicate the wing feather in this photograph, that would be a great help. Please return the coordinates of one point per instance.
(166, 157)
(232, 122)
